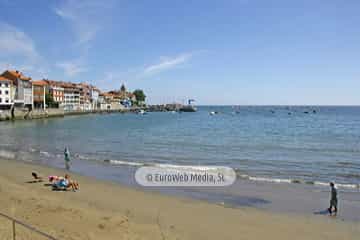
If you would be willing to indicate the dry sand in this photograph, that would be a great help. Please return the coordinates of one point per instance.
(104, 210)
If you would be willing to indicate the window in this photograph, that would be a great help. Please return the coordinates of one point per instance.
(6, 85)
(6, 92)
(7, 100)
(0, 91)
(0, 100)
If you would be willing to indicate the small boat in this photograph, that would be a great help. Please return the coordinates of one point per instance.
(213, 112)
(142, 112)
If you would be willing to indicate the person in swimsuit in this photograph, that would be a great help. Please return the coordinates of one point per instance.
(64, 183)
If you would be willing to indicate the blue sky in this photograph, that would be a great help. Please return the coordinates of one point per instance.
(217, 52)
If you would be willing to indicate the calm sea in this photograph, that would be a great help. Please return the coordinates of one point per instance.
(311, 145)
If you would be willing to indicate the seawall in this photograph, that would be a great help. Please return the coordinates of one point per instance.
(24, 114)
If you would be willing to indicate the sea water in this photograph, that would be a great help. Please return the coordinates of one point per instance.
(288, 144)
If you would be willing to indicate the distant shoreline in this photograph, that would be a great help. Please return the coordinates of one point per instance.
(22, 114)
(270, 105)
(52, 113)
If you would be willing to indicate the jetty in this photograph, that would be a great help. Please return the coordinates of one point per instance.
(189, 107)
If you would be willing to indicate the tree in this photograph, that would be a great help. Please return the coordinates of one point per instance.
(139, 95)
(49, 101)
(123, 88)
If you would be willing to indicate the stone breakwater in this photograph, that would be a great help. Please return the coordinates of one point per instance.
(164, 107)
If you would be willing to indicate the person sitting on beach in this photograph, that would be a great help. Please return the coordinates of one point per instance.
(65, 183)
(74, 184)
(333, 200)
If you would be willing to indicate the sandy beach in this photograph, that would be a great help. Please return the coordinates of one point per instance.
(105, 210)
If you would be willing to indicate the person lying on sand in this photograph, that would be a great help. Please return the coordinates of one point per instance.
(54, 178)
(65, 183)
(36, 177)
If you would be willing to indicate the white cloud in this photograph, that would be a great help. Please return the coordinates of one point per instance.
(85, 17)
(71, 68)
(168, 63)
(18, 51)
(16, 43)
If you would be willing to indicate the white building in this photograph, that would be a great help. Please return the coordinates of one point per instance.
(6, 93)
(23, 96)
(104, 101)
(71, 99)
(94, 95)
(57, 94)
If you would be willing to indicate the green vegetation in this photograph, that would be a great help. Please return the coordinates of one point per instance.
(140, 96)
(50, 102)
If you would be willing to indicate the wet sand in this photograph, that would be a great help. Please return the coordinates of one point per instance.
(105, 210)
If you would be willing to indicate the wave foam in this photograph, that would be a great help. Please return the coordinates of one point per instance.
(126, 163)
(45, 153)
(238, 173)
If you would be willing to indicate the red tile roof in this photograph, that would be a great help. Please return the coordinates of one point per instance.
(106, 94)
(40, 83)
(4, 79)
(19, 75)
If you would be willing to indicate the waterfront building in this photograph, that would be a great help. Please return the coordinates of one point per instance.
(122, 98)
(7, 92)
(21, 92)
(104, 101)
(56, 91)
(115, 104)
(85, 99)
(23, 96)
(94, 97)
(71, 97)
(39, 92)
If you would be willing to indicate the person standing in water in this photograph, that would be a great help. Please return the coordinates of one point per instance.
(333, 200)
(67, 158)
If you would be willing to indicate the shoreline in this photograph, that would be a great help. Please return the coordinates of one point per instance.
(107, 210)
(22, 114)
(279, 197)
(5, 115)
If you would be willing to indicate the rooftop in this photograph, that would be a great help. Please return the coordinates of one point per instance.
(4, 79)
(40, 83)
(18, 74)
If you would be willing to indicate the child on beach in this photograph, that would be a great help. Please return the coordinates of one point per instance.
(333, 200)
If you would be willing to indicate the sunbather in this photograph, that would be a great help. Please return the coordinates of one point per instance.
(74, 184)
(65, 183)
(36, 177)
(54, 178)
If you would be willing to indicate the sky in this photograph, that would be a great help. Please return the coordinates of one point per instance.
(223, 52)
